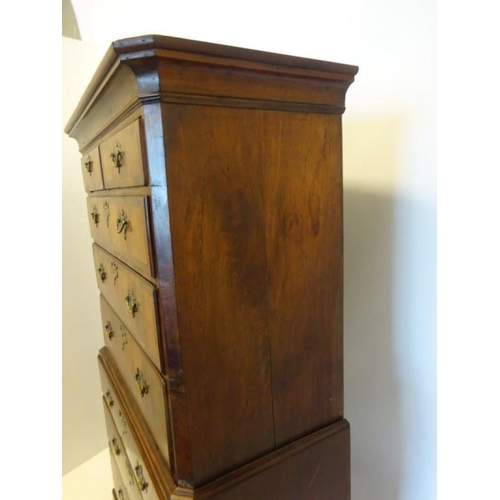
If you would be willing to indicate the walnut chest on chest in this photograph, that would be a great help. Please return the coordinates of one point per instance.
(214, 181)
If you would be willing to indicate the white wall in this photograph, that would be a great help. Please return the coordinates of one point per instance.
(82, 416)
(390, 202)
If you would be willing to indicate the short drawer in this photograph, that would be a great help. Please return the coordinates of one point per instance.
(91, 170)
(119, 452)
(118, 482)
(121, 225)
(132, 298)
(141, 377)
(118, 428)
(122, 158)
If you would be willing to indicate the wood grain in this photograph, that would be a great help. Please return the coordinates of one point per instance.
(119, 485)
(118, 451)
(316, 466)
(131, 172)
(115, 88)
(138, 440)
(113, 97)
(232, 179)
(301, 182)
(257, 238)
(218, 243)
(131, 360)
(133, 244)
(92, 178)
(127, 48)
(169, 342)
(183, 77)
(115, 287)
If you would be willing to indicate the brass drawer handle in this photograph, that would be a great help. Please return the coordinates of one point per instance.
(124, 422)
(114, 271)
(89, 165)
(102, 272)
(131, 302)
(120, 495)
(141, 481)
(109, 398)
(117, 156)
(109, 330)
(95, 215)
(105, 208)
(122, 224)
(131, 477)
(114, 445)
(140, 383)
(124, 337)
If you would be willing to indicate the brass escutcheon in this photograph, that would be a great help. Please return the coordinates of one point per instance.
(116, 448)
(102, 271)
(124, 422)
(122, 224)
(140, 383)
(95, 215)
(131, 477)
(124, 337)
(109, 330)
(117, 156)
(88, 165)
(109, 398)
(114, 271)
(141, 481)
(105, 208)
(131, 302)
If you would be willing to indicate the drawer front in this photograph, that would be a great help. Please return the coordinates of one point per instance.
(141, 377)
(118, 426)
(131, 297)
(91, 171)
(118, 482)
(119, 452)
(120, 224)
(122, 158)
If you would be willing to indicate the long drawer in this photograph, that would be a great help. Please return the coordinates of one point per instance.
(117, 450)
(118, 482)
(132, 298)
(121, 225)
(141, 377)
(118, 427)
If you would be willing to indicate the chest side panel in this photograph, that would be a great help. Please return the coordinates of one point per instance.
(218, 241)
(301, 177)
(256, 219)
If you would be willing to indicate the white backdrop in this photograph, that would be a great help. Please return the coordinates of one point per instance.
(83, 418)
(390, 207)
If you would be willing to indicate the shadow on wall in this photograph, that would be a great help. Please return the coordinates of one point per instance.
(372, 396)
(389, 325)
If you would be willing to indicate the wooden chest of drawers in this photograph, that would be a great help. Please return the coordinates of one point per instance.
(214, 180)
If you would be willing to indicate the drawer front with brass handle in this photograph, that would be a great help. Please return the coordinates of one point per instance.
(120, 224)
(141, 377)
(132, 298)
(121, 427)
(140, 472)
(91, 171)
(122, 159)
(118, 481)
(119, 495)
(123, 461)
